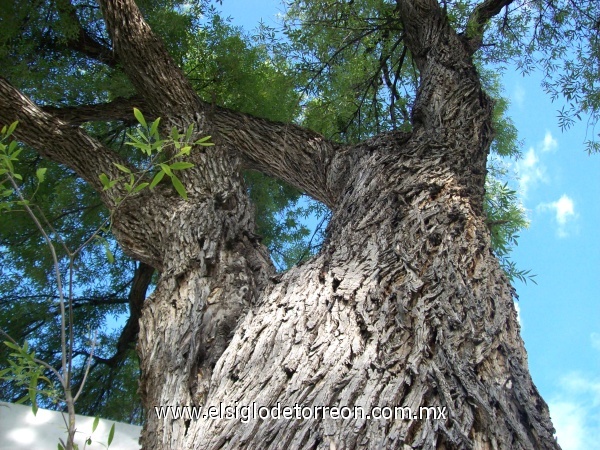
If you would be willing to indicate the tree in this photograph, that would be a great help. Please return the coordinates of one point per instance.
(405, 303)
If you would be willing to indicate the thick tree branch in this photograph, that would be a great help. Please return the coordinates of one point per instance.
(417, 16)
(299, 156)
(137, 294)
(83, 42)
(59, 141)
(479, 18)
(120, 109)
(147, 63)
(450, 107)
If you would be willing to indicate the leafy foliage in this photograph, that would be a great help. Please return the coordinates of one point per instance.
(357, 76)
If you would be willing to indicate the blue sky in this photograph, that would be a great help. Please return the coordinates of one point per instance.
(559, 186)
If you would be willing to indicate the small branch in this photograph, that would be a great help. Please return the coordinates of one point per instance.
(137, 295)
(87, 369)
(83, 42)
(64, 381)
(37, 361)
(479, 18)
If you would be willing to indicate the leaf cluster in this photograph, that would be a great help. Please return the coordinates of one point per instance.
(147, 139)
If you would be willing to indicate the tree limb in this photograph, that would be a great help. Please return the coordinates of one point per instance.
(120, 109)
(479, 18)
(147, 63)
(84, 42)
(137, 294)
(59, 141)
(299, 156)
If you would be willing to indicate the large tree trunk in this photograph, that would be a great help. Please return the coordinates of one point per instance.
(404, 306)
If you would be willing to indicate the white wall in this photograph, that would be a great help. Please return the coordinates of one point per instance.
(20, 429)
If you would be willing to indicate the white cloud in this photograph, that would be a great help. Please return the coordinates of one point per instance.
(518, 309)
(568, 420)
(564, 211)
(595, 337)
(530, 171)
(575, 412)
(518, 95)
(549, 144)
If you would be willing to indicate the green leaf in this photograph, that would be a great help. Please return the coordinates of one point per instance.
(180, 165)
(204, 141)
(12, 128)
(141, 139)
(140, 186)
(146, 148)
(109, 255)
(33, 393)
(185, 151)
(157, 145)
(189, 131)
(95, 424)
(140, 117)
(157, 178)
(41, 174)
(122, 168)
(166, 168)
(179, 187)
(111, 435)
(175, 134)
(154, 127)
(13, 346)
(104, 180)
(60, 447)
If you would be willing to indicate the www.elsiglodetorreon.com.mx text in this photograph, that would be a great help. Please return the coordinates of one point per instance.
(253, 411)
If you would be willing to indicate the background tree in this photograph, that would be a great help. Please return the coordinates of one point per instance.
(388, 280)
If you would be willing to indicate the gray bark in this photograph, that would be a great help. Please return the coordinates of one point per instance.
(405, 305)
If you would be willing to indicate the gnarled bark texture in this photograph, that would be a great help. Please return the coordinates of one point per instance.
(405, 305)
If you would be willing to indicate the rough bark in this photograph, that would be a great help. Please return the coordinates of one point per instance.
(405, 305)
